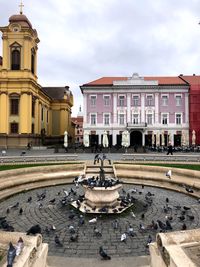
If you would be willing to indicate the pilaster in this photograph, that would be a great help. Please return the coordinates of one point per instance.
(4, 113)
(25, 113)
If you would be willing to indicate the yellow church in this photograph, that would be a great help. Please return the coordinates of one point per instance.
(29, 113)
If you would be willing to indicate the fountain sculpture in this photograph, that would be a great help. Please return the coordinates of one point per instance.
(101, 193)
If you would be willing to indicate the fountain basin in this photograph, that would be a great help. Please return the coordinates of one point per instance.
(100, 196)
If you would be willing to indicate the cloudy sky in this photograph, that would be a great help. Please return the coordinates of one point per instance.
(83, 40)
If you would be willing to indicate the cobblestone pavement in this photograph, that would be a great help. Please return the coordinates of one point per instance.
(88, 243)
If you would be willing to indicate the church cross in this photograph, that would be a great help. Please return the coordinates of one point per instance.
(21, 7)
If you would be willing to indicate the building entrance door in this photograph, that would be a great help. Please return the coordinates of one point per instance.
(136, 138)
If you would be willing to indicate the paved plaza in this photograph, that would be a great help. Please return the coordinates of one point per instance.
(88, 243)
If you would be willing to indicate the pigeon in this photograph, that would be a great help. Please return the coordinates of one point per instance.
(168, 225)
(191, 217)
(161, 225)
(74, 237)
(142, 216)
(169, 174)
(142, 227)
(81, 220)
(97, 232)
(94, 220)
(188, 189)
(71, 229)
(52, 201)
(182, 218)
(11, 255)
(167, 199)
(53, 228)
(103, 254)
(123, 237)
(29, 199)
(66, 193)
(186, 208)
(19, 246)
(115, 224)
(149, 240)
(20, 211)
(130, 231)
(133, 214)
(35, 229)
(15, 206)
(184, 227)
(57, 241)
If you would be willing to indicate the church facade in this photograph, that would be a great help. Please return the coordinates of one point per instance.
(28, 111)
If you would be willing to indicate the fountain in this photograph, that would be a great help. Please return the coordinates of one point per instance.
(101, 193)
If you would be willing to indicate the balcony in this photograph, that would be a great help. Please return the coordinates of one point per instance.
(141, 125)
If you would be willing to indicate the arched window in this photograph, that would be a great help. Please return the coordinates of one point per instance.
(15, 59)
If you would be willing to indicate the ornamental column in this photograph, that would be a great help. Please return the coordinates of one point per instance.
(4, 113)
(25, 113)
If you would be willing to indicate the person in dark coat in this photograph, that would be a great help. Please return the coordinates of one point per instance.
(170, 149)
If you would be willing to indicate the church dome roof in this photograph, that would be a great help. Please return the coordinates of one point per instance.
(21, 19)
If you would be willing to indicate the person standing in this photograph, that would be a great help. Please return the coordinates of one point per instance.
(170, 149)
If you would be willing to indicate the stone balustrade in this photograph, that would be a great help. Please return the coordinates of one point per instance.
(176, 249)
(34, 253)
(156, 176)
(15, 181)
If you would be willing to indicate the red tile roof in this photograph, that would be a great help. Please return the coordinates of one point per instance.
(191, 79)
(161, 80)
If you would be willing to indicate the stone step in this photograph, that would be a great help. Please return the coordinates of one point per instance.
(143, 261)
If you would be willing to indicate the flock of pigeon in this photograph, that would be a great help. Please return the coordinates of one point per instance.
(127, 227)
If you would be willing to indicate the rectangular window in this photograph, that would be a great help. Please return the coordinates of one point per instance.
(149, 118)
(135, 100)
(164, 119)
(93, 119)
(135, 118)
(178, 119)
(93, 99)
(33, 109)
(106, 119)
(14, 106)
(14, 127)
(178, 100)
(121, 119)
(164, 100)
(149, 100)
(106, 99)
(121, 101)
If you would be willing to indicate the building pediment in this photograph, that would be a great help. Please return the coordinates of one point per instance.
(135, 80)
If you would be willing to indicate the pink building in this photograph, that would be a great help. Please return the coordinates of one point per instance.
(155, 110)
